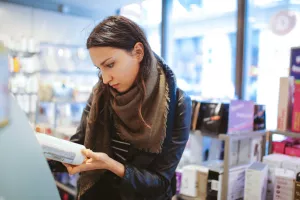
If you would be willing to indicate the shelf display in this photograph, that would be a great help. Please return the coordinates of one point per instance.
(50, 82)
(67, 77)
(4, 94)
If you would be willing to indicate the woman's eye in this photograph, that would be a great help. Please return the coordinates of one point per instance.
(110, 65)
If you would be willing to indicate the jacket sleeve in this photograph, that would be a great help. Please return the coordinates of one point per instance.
(78, 137)
(155, 180)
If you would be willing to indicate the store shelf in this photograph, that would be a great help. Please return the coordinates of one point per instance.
(286, 133)
(23, 54)
(199, 133)
(233, 136)
(67, 189)
(243, 135)
(183, 197)
(228, 139)
(24, 73)
(63, 72)
(64, 102)
(24, 93)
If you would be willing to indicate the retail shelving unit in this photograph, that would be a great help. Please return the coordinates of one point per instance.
(19, 94)
(228, 139)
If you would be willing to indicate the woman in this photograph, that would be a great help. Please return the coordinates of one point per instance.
(136, 122)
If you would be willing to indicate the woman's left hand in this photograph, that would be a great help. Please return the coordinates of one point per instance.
(94, 161)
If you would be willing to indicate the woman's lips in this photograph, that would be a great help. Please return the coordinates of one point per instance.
(115, 85)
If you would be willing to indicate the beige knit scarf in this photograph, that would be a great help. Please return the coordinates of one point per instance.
(127, 122)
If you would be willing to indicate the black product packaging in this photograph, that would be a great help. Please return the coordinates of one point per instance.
(213, 118)
(259, 117)
(212, 185)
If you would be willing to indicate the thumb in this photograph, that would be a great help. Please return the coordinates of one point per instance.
(90, 154)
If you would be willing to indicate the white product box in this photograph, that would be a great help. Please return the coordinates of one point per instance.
(256, 182)
(234, 153)
(292, 164)
(244, 151)
(256, 150)
(194, 181)
(275, 160)
(215, 149)
(250, 150)
(236, 183)
(284, 184)
(286, 89)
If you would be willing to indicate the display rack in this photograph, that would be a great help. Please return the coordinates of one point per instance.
(68, 78)
(228, 139)
(32, 96)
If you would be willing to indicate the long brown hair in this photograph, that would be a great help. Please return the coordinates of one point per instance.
(120, 32)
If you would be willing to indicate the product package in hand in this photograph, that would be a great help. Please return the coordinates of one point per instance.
(61, 150)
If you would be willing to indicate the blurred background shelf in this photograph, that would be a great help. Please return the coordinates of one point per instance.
(67, 189)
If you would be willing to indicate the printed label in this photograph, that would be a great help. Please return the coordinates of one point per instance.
(215, 185)
(58, 155)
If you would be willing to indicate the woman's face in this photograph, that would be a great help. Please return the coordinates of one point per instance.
(119, 68)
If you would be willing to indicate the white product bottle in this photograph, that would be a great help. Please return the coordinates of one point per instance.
(61, 150)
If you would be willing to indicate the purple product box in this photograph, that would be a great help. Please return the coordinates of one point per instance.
(241, 116)
(295, 63)
(178, 180)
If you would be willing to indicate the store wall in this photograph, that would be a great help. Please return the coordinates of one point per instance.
(45, 26)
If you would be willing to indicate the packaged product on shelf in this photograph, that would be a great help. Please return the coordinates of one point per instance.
(297, 187)
(296, 108)
(214, 117)
(256, 150)
(295, 63)
(293, 164)
(194, 181)
(234, 152)
(4, 94)
(273, 161)
(244, 151)
(61, 150)
(241, 116)
(293, 151)
(236, 181)
(285, 103)
(259, 117)
(178, 180)
(215, 149)
(256, 182)
(284, 184)
(65, 59)
(279, 147)
(49, 59)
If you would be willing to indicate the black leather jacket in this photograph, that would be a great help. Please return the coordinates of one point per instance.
(150, 176)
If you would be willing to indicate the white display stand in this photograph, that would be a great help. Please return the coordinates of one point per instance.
(24, 172)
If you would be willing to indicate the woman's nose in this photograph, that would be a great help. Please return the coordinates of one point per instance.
(106, 77)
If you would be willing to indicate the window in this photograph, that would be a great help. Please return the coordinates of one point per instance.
(272, 30)
(203, 51)
(147, 14)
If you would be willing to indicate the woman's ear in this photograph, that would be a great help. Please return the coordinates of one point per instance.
(138, 51)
